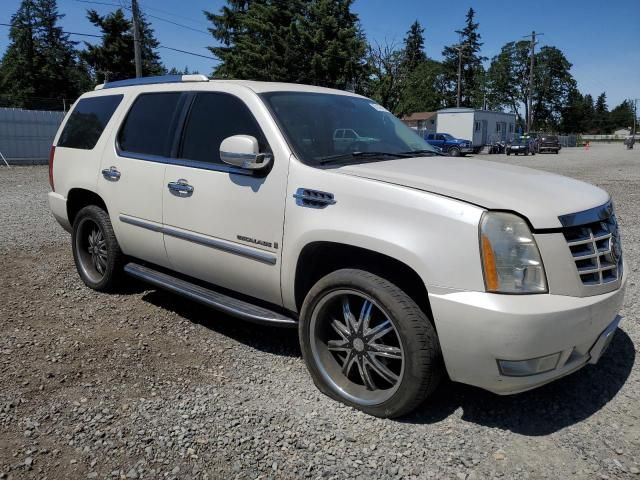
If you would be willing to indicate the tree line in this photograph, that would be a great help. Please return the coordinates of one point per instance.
(317, 42)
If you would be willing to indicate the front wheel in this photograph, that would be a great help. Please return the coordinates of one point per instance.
(96, 252)
(367, 344)
(454, 152)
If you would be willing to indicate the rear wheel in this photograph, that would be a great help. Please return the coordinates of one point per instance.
(368, 345)
(96, 252)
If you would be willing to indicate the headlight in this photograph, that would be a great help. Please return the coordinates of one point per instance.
(510, 257)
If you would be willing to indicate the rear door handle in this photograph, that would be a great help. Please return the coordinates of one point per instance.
(112, 174)
(180, 188)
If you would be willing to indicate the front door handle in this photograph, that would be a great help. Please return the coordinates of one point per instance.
(112, 174)
(180, 188)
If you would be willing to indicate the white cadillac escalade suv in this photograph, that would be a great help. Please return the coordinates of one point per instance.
(396, 264)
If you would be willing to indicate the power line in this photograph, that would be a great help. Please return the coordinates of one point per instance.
(189, 53)
(100, 36)
(96, 2)
(68, 33)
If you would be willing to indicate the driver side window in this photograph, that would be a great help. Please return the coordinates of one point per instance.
(212, 118)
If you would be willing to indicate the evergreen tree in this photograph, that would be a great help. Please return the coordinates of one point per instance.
(303, 41)
(622, 115)
(472, 69)
(40, 61)
(601, 115)
(113, 58)
(414, 53)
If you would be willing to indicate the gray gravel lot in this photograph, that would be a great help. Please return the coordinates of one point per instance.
(143, 384)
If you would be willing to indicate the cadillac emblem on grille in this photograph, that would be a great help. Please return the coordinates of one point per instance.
(596, 250)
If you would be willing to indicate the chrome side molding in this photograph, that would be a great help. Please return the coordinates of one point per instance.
(223, 245)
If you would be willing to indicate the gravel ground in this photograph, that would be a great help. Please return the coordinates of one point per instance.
(145, 385)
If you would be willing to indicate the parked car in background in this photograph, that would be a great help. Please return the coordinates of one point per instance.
(455, 147)
(344, 138)
(520, 145)
(548, 143)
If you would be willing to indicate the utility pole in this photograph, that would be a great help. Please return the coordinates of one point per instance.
(137, 50)
(530, 89)
(635, 115)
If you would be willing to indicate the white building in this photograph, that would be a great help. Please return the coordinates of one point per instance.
(482, 127)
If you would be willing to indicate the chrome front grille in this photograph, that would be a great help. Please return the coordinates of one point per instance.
(596, 250)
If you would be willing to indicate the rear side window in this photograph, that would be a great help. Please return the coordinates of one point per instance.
(149, 126)
(87, 121)
(214, 117)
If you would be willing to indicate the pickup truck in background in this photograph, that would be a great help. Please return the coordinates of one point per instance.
(455, 147)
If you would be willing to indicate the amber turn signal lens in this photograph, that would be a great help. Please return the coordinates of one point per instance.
(489, 261)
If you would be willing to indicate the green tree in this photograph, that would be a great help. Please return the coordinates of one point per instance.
(472, 69)
(423, 89)
(387, 75)
(507, 79)
(113, 58)
(552, 83)
(622, 115)
(601, 122)
(304, 41)
(40, 61)
(414, 53)
(508, 83)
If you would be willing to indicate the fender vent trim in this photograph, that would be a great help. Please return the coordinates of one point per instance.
(306, 197)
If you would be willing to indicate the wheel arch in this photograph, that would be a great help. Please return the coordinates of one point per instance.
(78, 198)
(320, 258)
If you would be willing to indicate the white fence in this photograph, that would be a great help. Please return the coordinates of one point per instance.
(26, 135)
(608, 138)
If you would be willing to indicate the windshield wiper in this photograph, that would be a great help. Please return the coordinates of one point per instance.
(370, 155)
(417, 153)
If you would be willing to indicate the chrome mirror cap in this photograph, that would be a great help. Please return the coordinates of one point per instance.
(243, 151)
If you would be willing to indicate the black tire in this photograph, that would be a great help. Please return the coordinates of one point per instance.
(557, 152)
(454, 152)
(421, 363)
(508, 153)
(89, 220)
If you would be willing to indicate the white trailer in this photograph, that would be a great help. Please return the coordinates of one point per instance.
(481, 127)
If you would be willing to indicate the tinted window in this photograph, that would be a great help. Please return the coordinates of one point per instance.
(87, 121)
(214, 117)
(439, 137)
(149, 126)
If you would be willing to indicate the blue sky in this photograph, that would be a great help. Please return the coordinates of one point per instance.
(601, 40)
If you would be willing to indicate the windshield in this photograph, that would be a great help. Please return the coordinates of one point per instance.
(322, 127)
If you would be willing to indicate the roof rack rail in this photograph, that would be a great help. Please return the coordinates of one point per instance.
(151, 80)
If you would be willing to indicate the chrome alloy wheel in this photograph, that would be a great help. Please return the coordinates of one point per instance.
(91, 249)
(356, 347)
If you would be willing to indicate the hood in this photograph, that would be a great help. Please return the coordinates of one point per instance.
(539, 196)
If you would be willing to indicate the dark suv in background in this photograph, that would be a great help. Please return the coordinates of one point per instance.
(549, 143)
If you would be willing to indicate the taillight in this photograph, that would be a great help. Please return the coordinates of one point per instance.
(52, 152)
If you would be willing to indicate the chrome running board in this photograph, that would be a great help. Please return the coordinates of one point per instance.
(219, 301)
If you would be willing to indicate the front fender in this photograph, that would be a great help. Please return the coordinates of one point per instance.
(434, 235)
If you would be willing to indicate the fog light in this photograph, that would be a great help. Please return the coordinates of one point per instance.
(533, 366)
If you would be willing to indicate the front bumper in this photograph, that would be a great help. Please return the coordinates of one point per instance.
(477, 329)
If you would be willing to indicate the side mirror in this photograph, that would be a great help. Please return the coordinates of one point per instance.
(242, 151)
